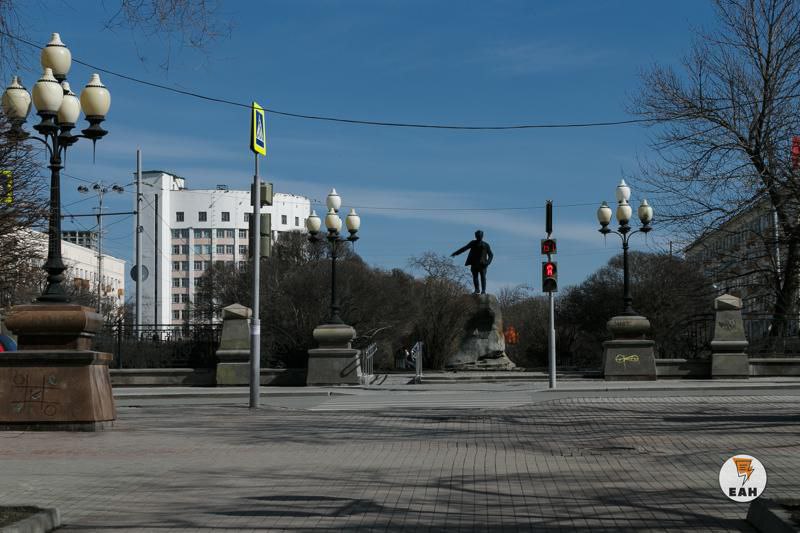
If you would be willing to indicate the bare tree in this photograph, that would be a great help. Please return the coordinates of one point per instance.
(723, 131)
(183, 23)
(22, 207)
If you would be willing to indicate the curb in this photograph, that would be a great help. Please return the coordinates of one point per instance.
(42, 522)
(227, 395)
(769, 515)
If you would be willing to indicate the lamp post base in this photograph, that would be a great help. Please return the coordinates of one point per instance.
(629, 355)
(335, 362)
(55, 381)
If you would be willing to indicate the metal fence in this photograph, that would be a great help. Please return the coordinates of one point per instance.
(160, 345)
(368, 364)
(692, 338)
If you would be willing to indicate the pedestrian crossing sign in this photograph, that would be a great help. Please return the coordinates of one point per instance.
(258, 130)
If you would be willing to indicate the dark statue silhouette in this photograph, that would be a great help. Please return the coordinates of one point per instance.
(479, 258)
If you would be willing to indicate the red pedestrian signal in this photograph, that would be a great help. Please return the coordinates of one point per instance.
(549, 276)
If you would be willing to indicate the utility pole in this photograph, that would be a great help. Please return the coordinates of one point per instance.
(139, 230)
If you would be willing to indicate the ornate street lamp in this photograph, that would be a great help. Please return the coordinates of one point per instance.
(629, 354)
(333, 224)
(53, 336)
(624, 213)
(58, 108)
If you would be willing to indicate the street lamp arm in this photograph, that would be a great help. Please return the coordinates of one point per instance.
(43, 141)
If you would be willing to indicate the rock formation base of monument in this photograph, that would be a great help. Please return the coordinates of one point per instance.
(629, 355)
(55, 381)
(482, 345)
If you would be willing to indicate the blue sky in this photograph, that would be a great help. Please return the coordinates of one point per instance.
(476, 63)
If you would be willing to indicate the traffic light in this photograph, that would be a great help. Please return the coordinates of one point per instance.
(549, 276)
(265, 193)
(264, 235)
(548, 246)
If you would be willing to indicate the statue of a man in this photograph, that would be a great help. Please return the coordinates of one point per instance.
(479, 258)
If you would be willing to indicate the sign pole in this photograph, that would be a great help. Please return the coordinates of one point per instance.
(255, 324)
(258, 144)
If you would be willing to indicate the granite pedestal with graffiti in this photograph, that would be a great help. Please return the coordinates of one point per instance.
(55, 380)
(629, 355)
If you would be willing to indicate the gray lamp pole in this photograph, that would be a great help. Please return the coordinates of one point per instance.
(334, 224)
(59, 109)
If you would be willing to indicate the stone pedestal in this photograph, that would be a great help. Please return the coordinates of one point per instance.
(629, 355)
(335, 362)
(55, 381)
(233, 367)
(482, 345)
(728, 349)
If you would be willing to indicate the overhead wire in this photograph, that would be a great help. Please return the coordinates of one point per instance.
(308, 116)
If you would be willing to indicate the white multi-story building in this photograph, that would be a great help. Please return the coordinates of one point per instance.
(185, 231)
(82, 269)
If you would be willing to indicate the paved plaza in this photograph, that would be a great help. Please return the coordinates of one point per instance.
(629, 461)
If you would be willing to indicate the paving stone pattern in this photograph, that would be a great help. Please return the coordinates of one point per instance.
(599, 464)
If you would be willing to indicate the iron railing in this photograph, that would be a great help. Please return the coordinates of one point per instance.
(368, 364)
(692, 337)
(160, 345)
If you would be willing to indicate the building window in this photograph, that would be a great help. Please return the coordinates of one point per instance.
(242, 233)
(198, 265)
(196, 282)
(202, 216)
(176, 298)
(242, 249)
(176, 234)
(283, 220)
(229, 233)
(226, 216)
(176, 266)
(206, 265)
(176, 249)
(219, 264)
(185, 265)
(220, 249)
(185, 314)
(185, 283)
(176, 282)
(185, 249)
(229, 249)
(242, 265)
(185, 298)
(176, 315)
(220, 233)
(247, 217)
(296, 221)
(202, 234)
(179, 216)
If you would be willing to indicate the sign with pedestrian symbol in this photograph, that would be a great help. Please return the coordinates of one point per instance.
(258, 130)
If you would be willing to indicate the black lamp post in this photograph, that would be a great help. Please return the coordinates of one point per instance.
(59, 109)
(624, 213)
(334, 224)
